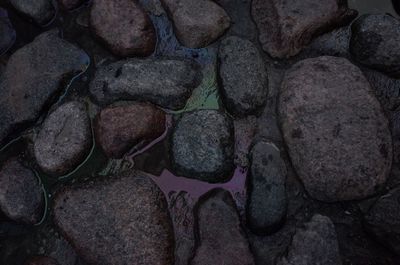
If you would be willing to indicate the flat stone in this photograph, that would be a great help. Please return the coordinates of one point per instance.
(119, 128)
(267, 202)
(197, 23)
(287, 26)
(243, 76)
(221, 239)
(40, 11)
(120, 220)
(123, 26)
(70, 4)
(7, 32)
(316, 243)
(64, 140)
(383, 220)
(46, 63)
(167, 83)
(337, 135)
(374, 42)
(202, 146)
(41, 260)
(21, 196)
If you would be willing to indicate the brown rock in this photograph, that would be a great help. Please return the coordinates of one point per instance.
(335, 129)
(197, 23)
(121, 220)
(21, 197)
(123, 26)
(286, 26)
(119, 128)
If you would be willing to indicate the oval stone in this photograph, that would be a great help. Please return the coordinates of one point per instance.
(335, 130)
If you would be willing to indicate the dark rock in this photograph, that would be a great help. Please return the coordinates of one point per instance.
(120, 220)
(245, 129)
(387, 89)
(221, 239)
(286, 27)
(168, 83)
(335, 130)
(243, 76)
(395, 126)
(383, 220)
(374, 42)
(41, 261)
(47, 64)
(21, 196)
(7, 32)
(202, 146)
(119, 128)
(70, 4)
(333, 43)
(267, 203)
(64, 140)
(123, 26)
(197, 23)
(41, 11)
(316, 243)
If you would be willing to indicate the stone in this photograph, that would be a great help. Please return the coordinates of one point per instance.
(267, 202)
(21, 196)
(333, 43)
(119, 220)
(167, 83)
(7, 32)
(119, 128)
(374, 42)
(244, 81)
(337, 135)
(197, 23)
(202, 146)
(41, 260)
(123, 26)
(64, 140)
(40, 11)
(383, 220)
(221, 239)
(287, 26)
(70, 4)
(47, 64)
(314, 244)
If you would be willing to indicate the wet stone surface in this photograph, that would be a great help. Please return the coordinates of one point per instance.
(123, 26)
(119, 128)
(316, 243)
(64, 140)
(202, 146)
(21, 196)
(164, 212)
(167, 83)
(243, 76)
(323, 112)
(123, 219)
(267, 203)
(221, 239)
(197, 23)
(40, 11)
(46, 63)
(374, 42)
(285, 27)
